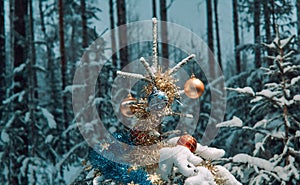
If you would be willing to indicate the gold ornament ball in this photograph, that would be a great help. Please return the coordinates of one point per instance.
(125, 106)
(188, 141)
(194, 87)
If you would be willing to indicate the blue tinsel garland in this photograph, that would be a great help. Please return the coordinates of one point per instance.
(118, 171)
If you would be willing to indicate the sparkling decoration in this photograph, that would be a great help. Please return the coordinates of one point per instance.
(125, 106)
(160, 92)
(119, 172)
(161, 89)
(157, 100)
(104, 146)
(208, 164)
(132, 183)
(194, 87)
(155, 179)
(188, 141)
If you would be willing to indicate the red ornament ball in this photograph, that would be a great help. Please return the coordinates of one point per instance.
(189, 142)
(125, 106)
(194, 87)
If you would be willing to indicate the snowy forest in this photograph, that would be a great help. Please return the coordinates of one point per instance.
(244, 118)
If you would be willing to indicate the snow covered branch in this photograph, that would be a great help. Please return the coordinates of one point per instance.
(133, 75)
(180, 64)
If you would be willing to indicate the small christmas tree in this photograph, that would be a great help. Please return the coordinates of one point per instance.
(144, 154)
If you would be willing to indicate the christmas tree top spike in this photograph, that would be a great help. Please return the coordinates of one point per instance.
(154, 47)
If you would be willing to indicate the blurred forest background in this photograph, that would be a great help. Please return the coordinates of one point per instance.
(42, 42)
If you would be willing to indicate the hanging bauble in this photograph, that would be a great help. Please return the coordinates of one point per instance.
(194, 87)
(157, 100)
(188, 141)
(126, 106)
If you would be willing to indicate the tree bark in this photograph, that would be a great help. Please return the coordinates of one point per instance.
(84, 24)
(121, 8)
(256, 20)
(2, 55)
(210, 39)
(20, 13)
(32, 79)
(164, 31)
(217, 33)
(267, 18)
(63, 61)
(113, 37)
(154, 8)
(236, 35)
(19, 45)
(298, 22)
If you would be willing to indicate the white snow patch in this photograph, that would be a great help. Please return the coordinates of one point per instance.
(295, 80)
(261, 123)
(48, 139)
(296, 97)
(20, 98)
(297, 133)
(261, 163)
(266, 93)
(4, 136)
(71, 88)
(20, 68)
(13, 97)
(235, 122)
(49, 117)
(245, 90)
(24, 166)
(27, 117)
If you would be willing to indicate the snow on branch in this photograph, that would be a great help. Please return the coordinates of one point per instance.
(19, 68)
(133, 75)
(147, 67)
(180, 64)
(245, 90)
(154, 49)
(235, 122)
(18, 95)
(259, 162)
(49, 117)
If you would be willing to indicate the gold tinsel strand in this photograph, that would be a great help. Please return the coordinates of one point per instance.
(208, 164)
(165, 83)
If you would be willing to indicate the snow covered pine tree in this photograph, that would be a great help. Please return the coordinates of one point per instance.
(275, 156)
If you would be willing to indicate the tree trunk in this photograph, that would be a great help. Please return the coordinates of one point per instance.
(210, 39)
(236, 35)
(2, 56)
(121, 8)
(32, 80)
(256, 21)
(267, 18)
(217, 33)
(84, 24)
(298, 22)
(113, 37)
(164, 32)
(272, 3)
(20, 49)
(63, 66)
(20, 13)
(154, 8)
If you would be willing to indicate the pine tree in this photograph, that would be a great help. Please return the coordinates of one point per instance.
(274, 154)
